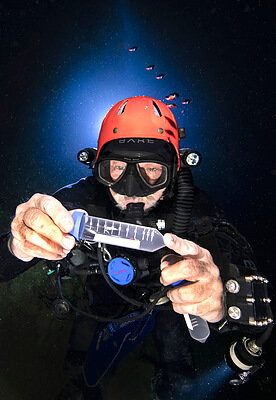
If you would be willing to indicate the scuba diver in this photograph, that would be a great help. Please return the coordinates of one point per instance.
(206, 268)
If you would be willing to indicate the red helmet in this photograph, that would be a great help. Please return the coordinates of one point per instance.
(139, 117)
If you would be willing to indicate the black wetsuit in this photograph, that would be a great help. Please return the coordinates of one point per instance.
(208, 227)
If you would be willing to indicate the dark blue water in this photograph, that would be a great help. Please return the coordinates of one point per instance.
(64, 65)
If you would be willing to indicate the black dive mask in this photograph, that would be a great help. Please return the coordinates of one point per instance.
(136, 173)
(133, 179)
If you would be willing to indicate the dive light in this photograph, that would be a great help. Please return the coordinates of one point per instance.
(245, 356)
(87, 156)
(190, 158)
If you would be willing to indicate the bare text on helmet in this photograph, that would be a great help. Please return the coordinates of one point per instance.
(138, 140)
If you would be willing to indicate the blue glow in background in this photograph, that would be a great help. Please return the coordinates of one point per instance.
(65, 63)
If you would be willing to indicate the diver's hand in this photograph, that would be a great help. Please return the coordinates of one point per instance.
(205, 297)
(40, 229)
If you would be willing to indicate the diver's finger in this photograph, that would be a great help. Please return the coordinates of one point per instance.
(55, 210)
(191, 293)
(189, 308)
(206, 310)
(169, 259)
(26, 251)
(14, 247)
(25, 236)
(189, 269)
(47, 244)
(42, 224)
(183, 247)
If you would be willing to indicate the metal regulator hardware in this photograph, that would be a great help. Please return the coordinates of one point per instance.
(247, 302)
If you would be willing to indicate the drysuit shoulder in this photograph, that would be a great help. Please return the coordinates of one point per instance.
(87, 194)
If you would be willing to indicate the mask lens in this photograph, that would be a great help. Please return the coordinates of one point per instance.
(153, 174)
(150, 173)
(111, 170)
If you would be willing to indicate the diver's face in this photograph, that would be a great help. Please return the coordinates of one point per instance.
(150, 200)
(149, 171)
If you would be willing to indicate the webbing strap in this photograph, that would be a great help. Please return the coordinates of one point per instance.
(208, 240)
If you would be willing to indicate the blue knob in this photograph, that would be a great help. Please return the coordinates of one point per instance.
(120, 271)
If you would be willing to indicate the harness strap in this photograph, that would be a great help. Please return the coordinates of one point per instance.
(208, 240)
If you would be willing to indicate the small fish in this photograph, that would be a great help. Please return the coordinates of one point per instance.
(161, 76)
(172, 96)
(150, 67)
(172, 105)
(187, 101)
(134, 48)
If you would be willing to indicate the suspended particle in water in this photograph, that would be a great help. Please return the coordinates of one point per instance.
(134, 48)
(161, 76)
(172, 96)
(150, 67)
(187, 101)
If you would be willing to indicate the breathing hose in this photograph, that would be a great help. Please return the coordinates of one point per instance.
(184, 202)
